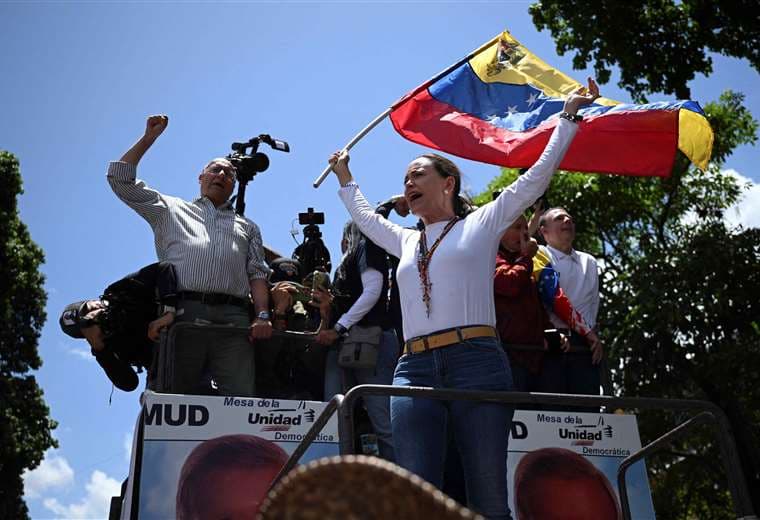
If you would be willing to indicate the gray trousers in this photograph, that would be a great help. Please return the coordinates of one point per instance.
(225, 355)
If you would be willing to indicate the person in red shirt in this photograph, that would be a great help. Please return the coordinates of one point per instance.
(521, 316)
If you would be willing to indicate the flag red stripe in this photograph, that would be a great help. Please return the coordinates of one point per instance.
(640, 143)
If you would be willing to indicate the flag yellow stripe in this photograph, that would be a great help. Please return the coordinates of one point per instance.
(526, 68)
(695, 137)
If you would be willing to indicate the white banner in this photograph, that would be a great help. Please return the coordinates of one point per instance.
(215, 456)
(562, 461)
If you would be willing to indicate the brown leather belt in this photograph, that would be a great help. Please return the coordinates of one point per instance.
(448, 337)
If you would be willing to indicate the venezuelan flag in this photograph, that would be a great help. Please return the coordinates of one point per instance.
(552, 296)
(500, 105)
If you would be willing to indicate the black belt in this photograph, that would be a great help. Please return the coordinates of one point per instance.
(214, 298)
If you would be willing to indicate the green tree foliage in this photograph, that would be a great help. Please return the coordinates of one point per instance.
(680, 310)
(659, 45)
(25, 425)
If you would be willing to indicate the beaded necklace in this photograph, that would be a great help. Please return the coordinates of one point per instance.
(423, 261)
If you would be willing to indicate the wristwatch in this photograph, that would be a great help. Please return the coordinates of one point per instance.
(575, 118)
(341, 330)
(165, 309)
(263, 315)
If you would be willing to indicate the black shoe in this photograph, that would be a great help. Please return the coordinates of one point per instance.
(119, 372)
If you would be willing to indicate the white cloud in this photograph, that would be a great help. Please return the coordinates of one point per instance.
(747, 211)
(53, 472)
(81, 354)
(96, 502)
(78, 349)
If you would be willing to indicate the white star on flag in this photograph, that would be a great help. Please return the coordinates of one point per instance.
(532, 99)
(512, 109)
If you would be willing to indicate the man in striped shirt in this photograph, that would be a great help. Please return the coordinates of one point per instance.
(219, 259)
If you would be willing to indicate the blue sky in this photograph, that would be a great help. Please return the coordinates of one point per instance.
(79, 80)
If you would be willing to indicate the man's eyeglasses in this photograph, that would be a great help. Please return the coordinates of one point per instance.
(218, 169)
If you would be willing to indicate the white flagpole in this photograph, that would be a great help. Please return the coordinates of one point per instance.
(353, 141)
(385, 114)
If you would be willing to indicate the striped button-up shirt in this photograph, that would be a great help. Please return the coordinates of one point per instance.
(212, 249)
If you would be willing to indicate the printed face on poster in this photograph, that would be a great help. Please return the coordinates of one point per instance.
(564, 465)
(214, 457)
(206, 457)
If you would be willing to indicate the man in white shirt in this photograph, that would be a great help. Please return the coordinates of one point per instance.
(576, 373)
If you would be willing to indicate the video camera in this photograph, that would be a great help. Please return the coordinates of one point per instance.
(312, 253)
(248, 164)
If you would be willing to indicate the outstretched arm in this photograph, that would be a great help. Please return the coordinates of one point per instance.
(499, 214)
(382, 232)
(154, 127)
(122, 175)
(535, 219)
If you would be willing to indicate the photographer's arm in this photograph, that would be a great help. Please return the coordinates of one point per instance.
(397, 202)
(281, 301)
(372, 282)
(322, 299)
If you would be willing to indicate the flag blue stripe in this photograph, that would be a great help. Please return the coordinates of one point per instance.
(520, 107)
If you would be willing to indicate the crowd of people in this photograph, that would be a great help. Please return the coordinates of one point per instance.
(467, 299)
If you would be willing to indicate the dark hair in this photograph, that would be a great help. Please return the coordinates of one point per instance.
(352, 235)
(558, 463)
(447, 168)
(285, 270)
(542, 219)
(220, 453)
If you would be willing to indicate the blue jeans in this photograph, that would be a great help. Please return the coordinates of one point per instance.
(480, 430)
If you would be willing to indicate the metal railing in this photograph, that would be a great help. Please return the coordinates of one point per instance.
(705, 411)
(332, 406)
(679, 431)
(163, 364)
(344, 406)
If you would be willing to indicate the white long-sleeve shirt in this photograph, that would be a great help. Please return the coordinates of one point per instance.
(579, 279)
(372, 288)
(461, 269)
